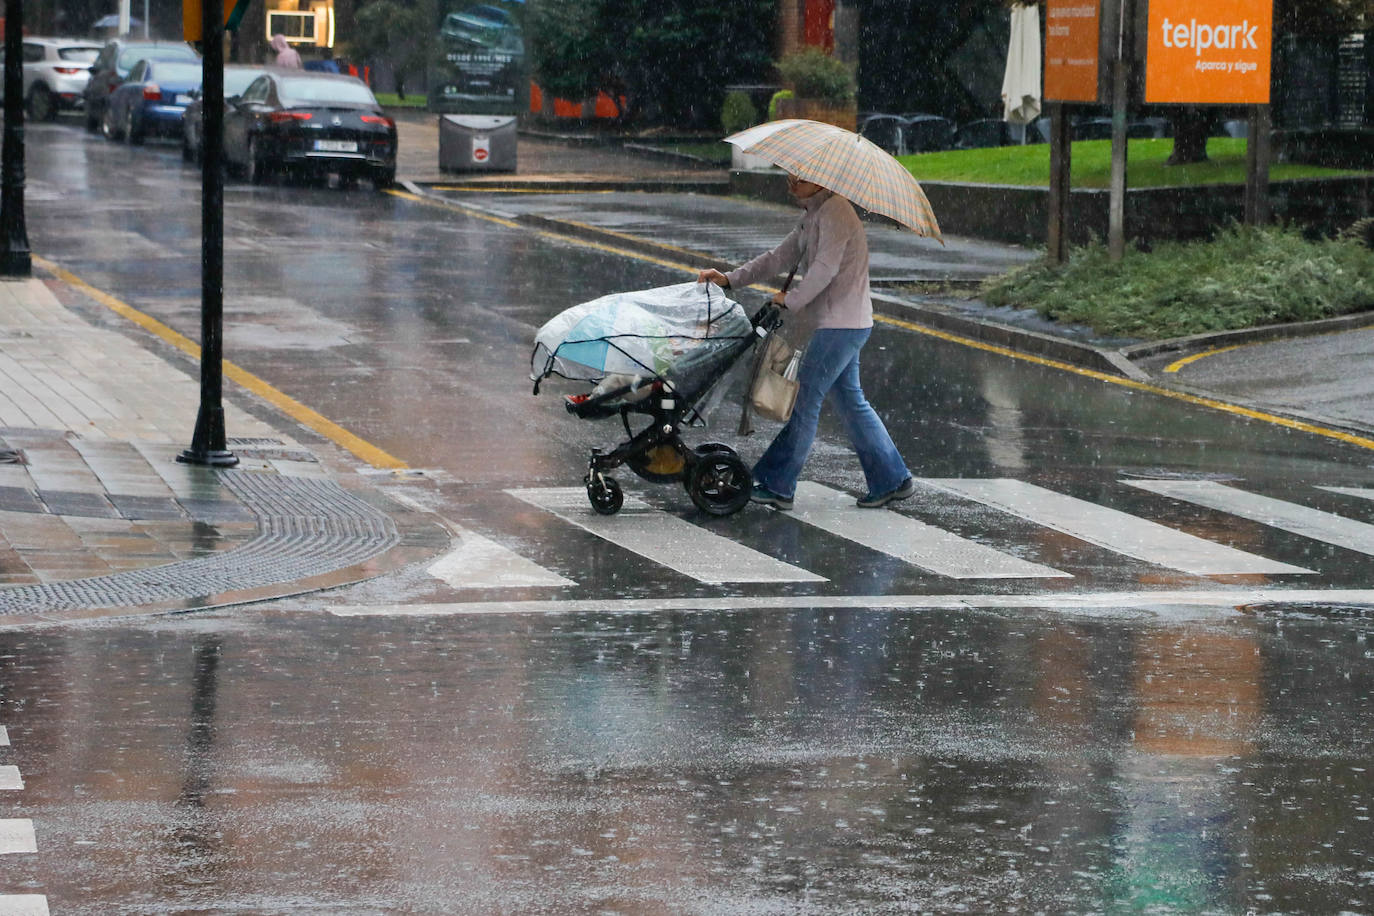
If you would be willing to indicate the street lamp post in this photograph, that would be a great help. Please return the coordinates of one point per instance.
(208, 442)
(15, 260)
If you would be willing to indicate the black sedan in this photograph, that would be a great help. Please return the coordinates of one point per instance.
(309, 123)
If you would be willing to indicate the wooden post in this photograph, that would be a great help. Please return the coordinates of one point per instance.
(1061, 156)
(1258, 152)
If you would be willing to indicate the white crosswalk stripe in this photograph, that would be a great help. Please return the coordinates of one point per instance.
(481, 563)
(16, 835)
(10, 778)
(905, 538)
(23, 905)
(1276, 513)
(665, 539)
(1112, 529)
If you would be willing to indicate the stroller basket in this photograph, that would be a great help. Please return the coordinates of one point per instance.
(654, 355)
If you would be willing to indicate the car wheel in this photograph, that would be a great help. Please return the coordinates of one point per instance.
(92, 119)
(186, 154)
(383, 179)
(42, 105)
(107, 126)
(132, 132)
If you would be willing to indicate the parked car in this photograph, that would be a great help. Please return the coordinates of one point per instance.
(983, 133)
(236, 80)
(928, 133)
(887, 131)
(151, 101)
(296, 121)
(56, 70)
(113, 64)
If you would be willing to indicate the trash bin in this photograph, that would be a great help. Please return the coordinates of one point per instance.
(477, 143)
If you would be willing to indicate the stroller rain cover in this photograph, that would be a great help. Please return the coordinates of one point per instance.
(683, 335)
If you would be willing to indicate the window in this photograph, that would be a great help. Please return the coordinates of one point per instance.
(33, 53)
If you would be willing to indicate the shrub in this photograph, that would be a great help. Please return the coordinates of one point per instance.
(813, 74)
(777, 97)
(737, 113)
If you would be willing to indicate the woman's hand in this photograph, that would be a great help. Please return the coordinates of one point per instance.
(711, 275)
(780, 298)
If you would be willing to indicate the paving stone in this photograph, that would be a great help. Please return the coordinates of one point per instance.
(146, 507)
(18, 499)
(66, 502)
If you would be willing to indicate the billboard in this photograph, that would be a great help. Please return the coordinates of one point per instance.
(1072, 39)
(1213, 53)
(482, 47)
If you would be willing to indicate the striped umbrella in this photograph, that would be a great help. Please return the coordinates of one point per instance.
(847, 164)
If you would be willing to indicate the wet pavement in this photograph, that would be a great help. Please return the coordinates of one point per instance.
(1072, 709)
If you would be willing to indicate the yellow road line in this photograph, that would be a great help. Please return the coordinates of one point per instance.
(487, 189)
(1213, 403)
(1179, 364)
(283, 402)
(1196, 400)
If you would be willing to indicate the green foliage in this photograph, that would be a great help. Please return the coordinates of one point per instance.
(737, 113)
(813, 74)
(671, 59)
(778, 97)
(1244, 278)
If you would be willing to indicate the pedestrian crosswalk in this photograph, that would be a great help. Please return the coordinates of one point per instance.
(667, 540)
(713, 552)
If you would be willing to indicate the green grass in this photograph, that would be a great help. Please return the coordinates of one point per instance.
(1244, 278)
(1091, 165)
(392, 100)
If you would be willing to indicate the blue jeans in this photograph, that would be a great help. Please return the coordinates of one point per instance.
(831, 367)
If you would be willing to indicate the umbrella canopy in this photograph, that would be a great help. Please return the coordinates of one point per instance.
(847, 164)
(1021, 82)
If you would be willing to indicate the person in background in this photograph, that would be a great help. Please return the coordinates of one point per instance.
(833, 297)
(286, 55)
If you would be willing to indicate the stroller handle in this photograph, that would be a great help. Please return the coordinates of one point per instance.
(768, 318)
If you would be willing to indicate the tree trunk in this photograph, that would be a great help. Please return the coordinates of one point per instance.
(1192, 126)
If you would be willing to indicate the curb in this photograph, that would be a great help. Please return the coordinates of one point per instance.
(1198, 342)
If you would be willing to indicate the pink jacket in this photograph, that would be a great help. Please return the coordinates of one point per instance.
(832, 250)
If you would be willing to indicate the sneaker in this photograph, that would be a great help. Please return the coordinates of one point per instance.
(905, 489)
(767, 497)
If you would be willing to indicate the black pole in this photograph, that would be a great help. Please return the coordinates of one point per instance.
(208, 442)
(14, 259)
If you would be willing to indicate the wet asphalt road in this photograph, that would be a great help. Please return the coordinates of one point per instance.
(353, 752)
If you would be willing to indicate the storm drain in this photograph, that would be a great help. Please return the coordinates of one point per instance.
(306, 527)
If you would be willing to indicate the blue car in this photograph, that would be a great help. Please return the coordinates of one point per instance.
(151, 101)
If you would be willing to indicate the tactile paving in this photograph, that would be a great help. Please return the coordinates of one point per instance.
(306, 527)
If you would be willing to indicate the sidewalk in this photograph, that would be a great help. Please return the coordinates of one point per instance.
(98, 518)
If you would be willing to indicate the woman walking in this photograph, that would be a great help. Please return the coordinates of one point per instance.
(833, 299)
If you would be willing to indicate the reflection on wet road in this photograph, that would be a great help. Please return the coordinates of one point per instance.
(694, 763)
(1078, 708)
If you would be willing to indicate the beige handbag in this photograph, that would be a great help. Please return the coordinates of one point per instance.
(775, 385)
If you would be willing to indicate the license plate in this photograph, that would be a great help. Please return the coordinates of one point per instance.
(336, 146)
(183, 100)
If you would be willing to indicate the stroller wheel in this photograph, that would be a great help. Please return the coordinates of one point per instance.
(605, 496)
(706, 448)
(719, 483)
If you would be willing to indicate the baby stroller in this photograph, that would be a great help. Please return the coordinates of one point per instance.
(654, 354)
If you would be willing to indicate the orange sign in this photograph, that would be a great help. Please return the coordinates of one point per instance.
(1072, 35)
(1209, 53)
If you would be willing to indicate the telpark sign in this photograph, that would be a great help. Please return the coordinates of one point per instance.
(1214, 52)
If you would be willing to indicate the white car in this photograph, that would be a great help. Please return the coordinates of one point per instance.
(55, 72)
